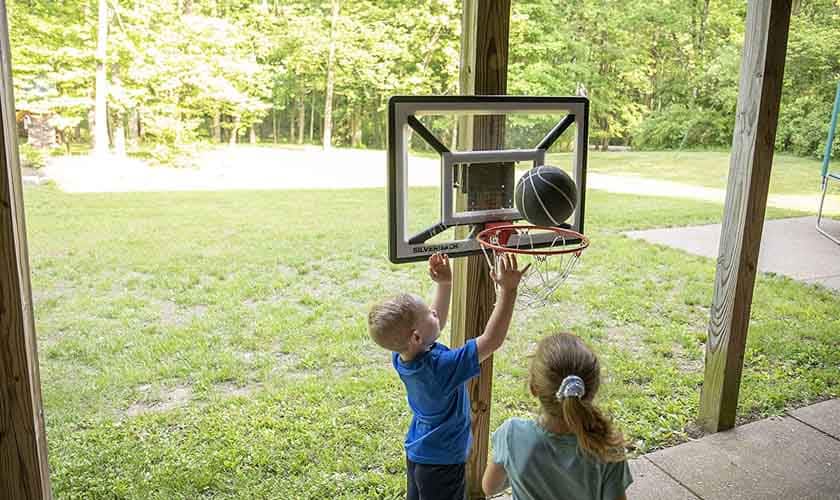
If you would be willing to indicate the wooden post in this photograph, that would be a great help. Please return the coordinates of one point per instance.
(24, 472)
(484, 54)
(760, 88)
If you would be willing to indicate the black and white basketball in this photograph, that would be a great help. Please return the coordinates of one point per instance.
(546, 196)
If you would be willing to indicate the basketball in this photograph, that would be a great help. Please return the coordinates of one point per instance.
(546, 196)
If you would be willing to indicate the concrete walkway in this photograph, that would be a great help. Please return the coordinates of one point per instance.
(790, 457)
(796, 456)
(791, 247)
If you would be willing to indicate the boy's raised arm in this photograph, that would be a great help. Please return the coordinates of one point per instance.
(507, 277)
(441, 273)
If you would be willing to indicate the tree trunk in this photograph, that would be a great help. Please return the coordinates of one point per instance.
(328, 100)
(132, 135)
(64, 137)
(119, 134)
(139, 125)
(355, 128)
(253, 135)
(291, 114)
(699, 40)
(605, 140)
(234, 131)
(312, 120)
(217, 127)
(301, 118)
(379, 126)
(110, 123)
(704, 18)
(100, 125)
(119, 118)
(274, 124)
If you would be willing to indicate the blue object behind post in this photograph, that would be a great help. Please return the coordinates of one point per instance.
(825, 174)
(831, 128)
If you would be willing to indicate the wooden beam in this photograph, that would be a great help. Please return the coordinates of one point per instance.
(24, 472)
(484, 56)
(760, 88)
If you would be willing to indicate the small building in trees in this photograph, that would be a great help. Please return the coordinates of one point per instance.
(34, 116)
(35, 126)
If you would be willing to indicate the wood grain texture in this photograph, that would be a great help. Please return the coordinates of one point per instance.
(484, 54)
(759, 94)
(24, 472)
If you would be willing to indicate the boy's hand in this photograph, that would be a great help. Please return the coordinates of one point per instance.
(439, 269)
(507, 274)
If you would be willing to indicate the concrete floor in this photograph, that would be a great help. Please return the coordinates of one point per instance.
(791, 247)
(795, 456)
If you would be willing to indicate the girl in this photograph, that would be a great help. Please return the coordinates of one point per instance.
(572, 450)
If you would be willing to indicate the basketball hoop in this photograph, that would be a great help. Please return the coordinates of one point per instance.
(553, 253)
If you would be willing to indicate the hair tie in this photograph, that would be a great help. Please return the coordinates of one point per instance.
(571, 387)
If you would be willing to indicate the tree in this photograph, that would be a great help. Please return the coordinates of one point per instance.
(53, 62)
(658, 74)
(101, 118)
(328, 100)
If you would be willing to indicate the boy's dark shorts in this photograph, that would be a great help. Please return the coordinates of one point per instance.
(435, 482)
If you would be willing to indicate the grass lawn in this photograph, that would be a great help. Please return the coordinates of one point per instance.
(200, 345)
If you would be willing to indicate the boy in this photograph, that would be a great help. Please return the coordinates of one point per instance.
(439, 438)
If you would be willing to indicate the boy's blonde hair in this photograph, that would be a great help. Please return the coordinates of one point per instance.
(390, 322)
(557, 357)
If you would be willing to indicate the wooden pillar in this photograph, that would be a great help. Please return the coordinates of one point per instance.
(760, 88)
(484, 55)
(24, 471)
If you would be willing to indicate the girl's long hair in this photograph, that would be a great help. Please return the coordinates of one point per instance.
(557, 357)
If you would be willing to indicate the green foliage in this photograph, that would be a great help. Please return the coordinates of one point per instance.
(208, 70)
(812, 72)
(803, 127)
(32, 157)
(677, 127)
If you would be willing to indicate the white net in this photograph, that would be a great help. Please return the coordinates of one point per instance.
(552, 253)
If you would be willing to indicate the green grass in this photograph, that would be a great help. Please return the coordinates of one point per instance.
(214, 344)
(790, 174)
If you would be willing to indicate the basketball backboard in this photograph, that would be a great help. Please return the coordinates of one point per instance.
(439, 198)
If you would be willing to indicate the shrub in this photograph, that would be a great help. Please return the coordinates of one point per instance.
(803, 127)
(32, 157)
(678, 127)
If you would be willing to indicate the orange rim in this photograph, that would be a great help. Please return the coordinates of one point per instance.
(580, 242)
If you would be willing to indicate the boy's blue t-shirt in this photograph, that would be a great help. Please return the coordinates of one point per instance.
(435, 382)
